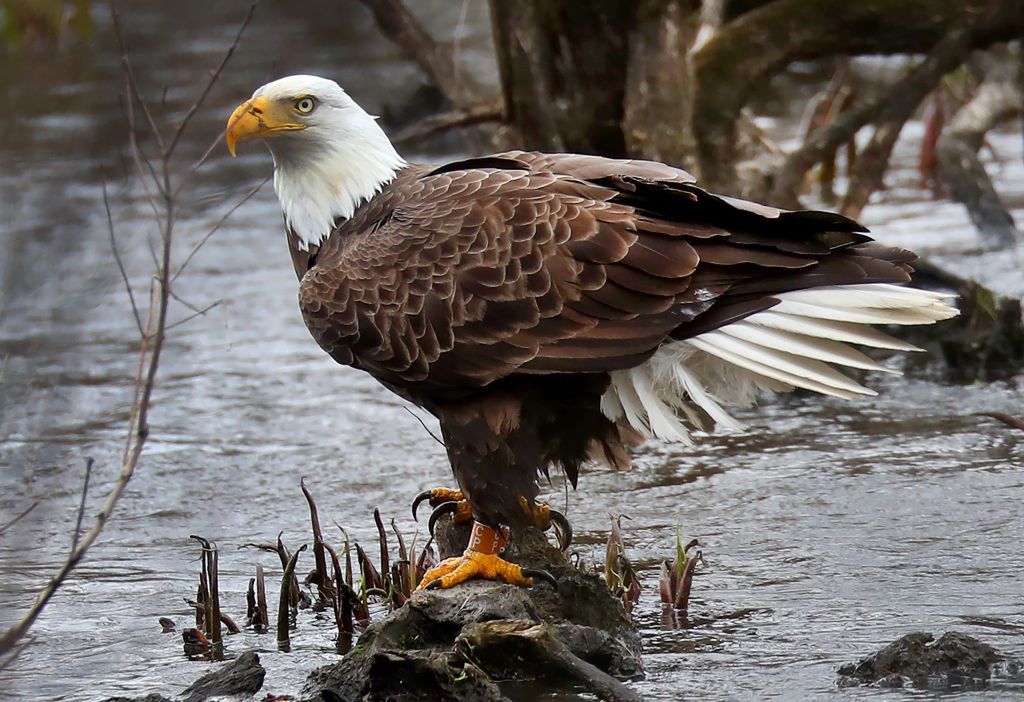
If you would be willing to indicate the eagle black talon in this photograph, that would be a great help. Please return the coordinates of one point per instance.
(442, 509)
(436, 497)
(420, 498)
(540, 574)
(563, 529)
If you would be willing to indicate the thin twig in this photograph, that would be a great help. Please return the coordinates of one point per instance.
(209, 151)
(474, 114)
(21, 516)
(142, 163)
(169, 151)
(154, 333)
(198, 313)
(404, 29)
(133, 84)
(120, 263)
(81, 505)
(183, 301)
(13, 655)
(220, 222)
(425, 428)
(1006, 419)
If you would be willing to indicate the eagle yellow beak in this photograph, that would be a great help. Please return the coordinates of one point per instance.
(255, 119)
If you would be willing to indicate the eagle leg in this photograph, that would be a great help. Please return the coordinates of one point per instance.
(481, 559)
(447, 501)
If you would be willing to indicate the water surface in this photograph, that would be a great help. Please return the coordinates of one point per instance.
(829, 529)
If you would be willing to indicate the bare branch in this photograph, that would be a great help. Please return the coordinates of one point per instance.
(474, 114)
(81, 505)
(403, 29)
(899, 100)
(142, 164)
(13, 655)
(869, 171)
(153, 335)
(169, 151)
(220, 222)
(999, 98)
(198, 313)
(1006, 419)
(133, 84)
(199, 163)
(120, 263)
(21, 516)
(746, 53)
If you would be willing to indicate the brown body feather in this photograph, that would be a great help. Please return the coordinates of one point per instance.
(498, 293)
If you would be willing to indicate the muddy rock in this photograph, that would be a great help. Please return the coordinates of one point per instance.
(469, 642)
(242, 676)
(955, 660)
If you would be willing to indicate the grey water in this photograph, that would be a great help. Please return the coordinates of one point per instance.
(828, 529)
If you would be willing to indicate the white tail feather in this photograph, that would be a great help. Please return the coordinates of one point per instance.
(800, 345)
(802, 373)
(688, 382)
(846, 332)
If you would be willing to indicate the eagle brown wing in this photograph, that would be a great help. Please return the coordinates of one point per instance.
(538, 263)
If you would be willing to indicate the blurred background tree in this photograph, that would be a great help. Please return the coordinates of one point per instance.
(683, 81)
(34, 24)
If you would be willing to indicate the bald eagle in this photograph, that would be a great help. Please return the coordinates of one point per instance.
(550, 309)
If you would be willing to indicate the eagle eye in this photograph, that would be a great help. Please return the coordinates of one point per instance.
(305, 105)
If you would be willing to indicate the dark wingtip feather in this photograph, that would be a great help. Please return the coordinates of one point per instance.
(831, 221)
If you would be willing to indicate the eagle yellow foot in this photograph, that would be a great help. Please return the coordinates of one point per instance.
(446, 501)
(481, 560)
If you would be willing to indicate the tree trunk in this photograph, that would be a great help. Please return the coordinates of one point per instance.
(563, 71)
(659, 86)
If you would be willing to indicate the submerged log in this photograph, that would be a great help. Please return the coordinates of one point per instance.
(469, 642)
(985, 343)
(242, 676)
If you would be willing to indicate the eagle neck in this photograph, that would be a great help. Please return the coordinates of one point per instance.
(320, 185)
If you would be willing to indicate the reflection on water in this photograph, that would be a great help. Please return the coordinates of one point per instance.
(829, 530)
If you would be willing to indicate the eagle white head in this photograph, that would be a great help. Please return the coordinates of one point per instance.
(330, 156)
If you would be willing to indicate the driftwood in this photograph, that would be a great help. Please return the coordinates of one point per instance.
(998, 99)
(242, 676)
(747, 52)
(872, 162)
(889, 110)
(238, 679)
